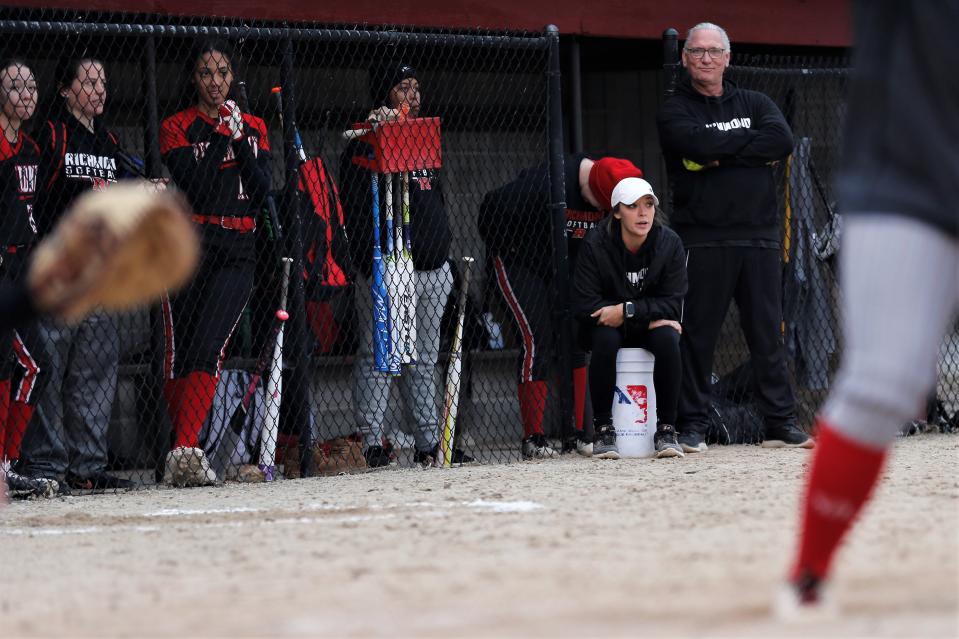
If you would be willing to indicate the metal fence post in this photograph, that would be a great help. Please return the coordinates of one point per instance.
(561, 316)
(670, 61)
(299, 394)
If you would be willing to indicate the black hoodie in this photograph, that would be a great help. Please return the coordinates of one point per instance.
(604, 266)
(515, 219)
(733, 203)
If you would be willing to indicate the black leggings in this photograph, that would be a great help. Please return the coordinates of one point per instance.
(23, 346)
(200, 319)
(529, 296)
(662, 342)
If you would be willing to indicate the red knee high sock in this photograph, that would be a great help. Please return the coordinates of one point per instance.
(188, 401)
(579, 395)
(840, 481)
(532, 404)
(4, 412)
(17, 421)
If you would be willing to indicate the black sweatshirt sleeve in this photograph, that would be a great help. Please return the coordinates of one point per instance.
(664, 299)
(355, 197)
(774, 139)
(195, 177)
(683, 134)
(587, 297)
(254, 171)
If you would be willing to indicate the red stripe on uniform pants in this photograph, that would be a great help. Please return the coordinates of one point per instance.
(529, 345)
(169, 343)
(4, 413)
(30, 367)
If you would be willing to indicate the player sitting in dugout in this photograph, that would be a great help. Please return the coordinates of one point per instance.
(628, 291)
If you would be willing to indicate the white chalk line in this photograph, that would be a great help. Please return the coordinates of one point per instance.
(425, 510)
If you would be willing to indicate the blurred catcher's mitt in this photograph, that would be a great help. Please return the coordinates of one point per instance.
(118, 248)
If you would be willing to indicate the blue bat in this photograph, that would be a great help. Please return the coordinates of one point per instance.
(381, 313)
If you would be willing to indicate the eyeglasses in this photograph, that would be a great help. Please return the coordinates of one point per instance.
(698, 52)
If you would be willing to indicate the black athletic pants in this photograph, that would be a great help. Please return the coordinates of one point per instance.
(23, 346)
(752, 277)
(529, 296)
(662, 342)
(200, 319)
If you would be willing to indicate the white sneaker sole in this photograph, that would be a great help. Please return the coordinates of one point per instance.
(585, 451)
(702, 448)
(610, 454)
(669, 452)
(778, 443)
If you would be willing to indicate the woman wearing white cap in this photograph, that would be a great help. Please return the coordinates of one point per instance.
(628, 292)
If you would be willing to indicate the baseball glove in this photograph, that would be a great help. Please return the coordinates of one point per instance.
(116, 249)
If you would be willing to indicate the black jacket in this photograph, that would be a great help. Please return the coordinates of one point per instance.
(515, 219)
(734, 203)
(429, 223)
(600, 278)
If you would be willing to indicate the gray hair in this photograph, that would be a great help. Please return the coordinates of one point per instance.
(715, 27)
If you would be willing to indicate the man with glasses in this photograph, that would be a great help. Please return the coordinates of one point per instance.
(720, 143)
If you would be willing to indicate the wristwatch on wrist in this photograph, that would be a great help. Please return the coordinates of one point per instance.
(629, 309)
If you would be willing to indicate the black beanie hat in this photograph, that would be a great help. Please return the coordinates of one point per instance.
(385, 76)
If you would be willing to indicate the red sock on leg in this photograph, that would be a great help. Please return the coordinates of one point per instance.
(4, 413)
(532, 404)
(840, 481)
(191, 398)
(17, 422)
(579, 395)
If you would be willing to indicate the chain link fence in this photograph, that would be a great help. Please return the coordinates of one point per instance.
(371, 162)
(267, 130)
(811, 93)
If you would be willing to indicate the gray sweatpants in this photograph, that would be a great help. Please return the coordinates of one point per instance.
(69, 428)
(371, 389)
(900, 284)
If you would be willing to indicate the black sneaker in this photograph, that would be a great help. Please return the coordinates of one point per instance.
(604, 444)
(786, 435)
(98, 481)
(376, 457)
(425, 458)
(21, 487)
(537, 447)
(459, 456)
(692, 442)
(665, 442)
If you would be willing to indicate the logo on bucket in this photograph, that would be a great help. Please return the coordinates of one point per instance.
(634, 395)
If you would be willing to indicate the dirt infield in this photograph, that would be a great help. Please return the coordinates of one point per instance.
(565, 547)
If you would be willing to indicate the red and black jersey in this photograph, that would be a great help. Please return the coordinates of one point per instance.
(18, 186)
(220, 176)
(73, 160)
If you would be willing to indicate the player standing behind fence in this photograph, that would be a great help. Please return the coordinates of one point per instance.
(19, 160)
(628, 292)
(719, 142)
(899, 265)
(220, 158)
(68, 434)
(516, 226)
(393, 84)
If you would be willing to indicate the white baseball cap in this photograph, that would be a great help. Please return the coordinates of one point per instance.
(630, 189)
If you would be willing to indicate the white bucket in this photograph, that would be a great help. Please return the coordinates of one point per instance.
(634, 403)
